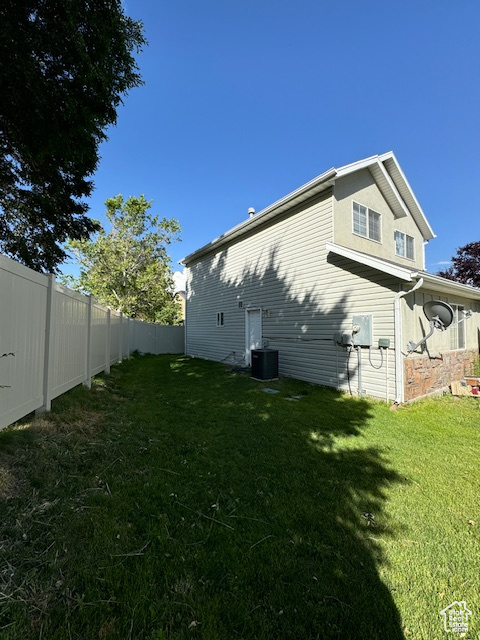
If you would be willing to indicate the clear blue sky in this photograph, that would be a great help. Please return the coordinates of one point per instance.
(245, 100)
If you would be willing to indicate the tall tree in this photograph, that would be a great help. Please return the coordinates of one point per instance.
(64, 68)
(465, 265)
(128, 268)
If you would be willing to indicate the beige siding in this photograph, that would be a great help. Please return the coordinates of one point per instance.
(416, 325)
(305, 295)
(361, 187)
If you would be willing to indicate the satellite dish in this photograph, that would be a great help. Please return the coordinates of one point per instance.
(440, 315)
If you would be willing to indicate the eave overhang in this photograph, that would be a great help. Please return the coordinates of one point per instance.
(392, 269)
(430, 281)
(305, 192)
(384, 169)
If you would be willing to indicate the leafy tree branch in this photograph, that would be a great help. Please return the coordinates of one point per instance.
(129, 268)
(65, 66)
(465, 265)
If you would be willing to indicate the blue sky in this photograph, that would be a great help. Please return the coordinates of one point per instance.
(245, 101)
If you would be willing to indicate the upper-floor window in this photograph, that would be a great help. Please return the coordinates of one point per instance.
(404, 245)
(366, 222)
(220, 319)
(457, 328)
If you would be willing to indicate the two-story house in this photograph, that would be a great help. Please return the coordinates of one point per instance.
(333, 277)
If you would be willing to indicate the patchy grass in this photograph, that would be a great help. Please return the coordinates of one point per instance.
(178, 500)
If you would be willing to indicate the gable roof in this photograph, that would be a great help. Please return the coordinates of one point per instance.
(387, 174)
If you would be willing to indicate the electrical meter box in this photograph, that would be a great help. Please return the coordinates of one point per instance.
(362, 337)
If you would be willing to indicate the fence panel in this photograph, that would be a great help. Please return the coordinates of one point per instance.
(114, 337)
(23, 299)
(70, 331)
(126, 346)
(99, 339)
(60, 338)
(169, 339)
(145, 337)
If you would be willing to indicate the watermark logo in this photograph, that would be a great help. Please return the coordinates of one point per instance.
(455, 617)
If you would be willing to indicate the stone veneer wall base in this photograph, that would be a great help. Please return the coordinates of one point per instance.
(428, 375)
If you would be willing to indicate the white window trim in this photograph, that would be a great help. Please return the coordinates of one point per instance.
(405, 235)
(220, 319)
(359, 235)
(458, 308)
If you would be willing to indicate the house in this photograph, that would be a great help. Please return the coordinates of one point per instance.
(333, 277)
(181, 299)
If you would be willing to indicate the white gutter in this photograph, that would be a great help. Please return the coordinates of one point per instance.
(397, 316)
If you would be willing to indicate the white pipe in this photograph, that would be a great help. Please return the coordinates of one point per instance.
(397, 317)
(386, 374)
(359, 373)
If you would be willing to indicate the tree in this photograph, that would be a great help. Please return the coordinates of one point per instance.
(465, 265)
(64, 67)
(128, 268)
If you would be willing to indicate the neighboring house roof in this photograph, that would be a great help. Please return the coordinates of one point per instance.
(386, 172)
(433, 282)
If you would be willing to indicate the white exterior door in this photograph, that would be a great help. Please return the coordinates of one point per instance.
(253, 333)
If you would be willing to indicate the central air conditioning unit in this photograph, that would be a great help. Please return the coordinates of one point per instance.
(264, 364)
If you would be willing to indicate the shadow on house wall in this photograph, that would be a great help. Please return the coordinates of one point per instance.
(323, 577)
(300, 315)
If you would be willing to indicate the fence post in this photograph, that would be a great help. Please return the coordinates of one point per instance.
(88, 364)
(49, 347)
(120, 338)
(107, 348)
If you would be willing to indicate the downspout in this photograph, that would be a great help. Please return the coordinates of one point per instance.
(397, 318)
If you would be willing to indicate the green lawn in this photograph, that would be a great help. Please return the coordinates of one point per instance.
(177, 500)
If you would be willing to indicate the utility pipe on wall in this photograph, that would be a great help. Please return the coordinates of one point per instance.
(397, 316)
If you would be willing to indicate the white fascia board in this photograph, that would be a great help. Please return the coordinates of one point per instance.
(375, 263)
(418, 214)
(356, 166)
(304, 192)
(443, 285)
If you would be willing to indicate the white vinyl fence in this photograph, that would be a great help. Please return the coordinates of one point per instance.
(53, 338)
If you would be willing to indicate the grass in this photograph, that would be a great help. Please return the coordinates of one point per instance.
(178, 500)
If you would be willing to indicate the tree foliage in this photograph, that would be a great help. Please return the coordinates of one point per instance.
(128, 268)
(465, 265)
(64, 67)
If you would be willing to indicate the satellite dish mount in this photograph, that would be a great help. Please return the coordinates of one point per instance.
(440, 314)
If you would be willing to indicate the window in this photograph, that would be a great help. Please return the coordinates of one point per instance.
(457, 328)
(366, 222)
(404, 245)
(220, 321)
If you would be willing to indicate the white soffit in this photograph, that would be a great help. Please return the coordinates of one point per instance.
(375, 263)
(406, 193)
(389, 190)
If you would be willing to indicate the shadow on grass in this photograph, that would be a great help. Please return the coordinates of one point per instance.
(179, 500)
